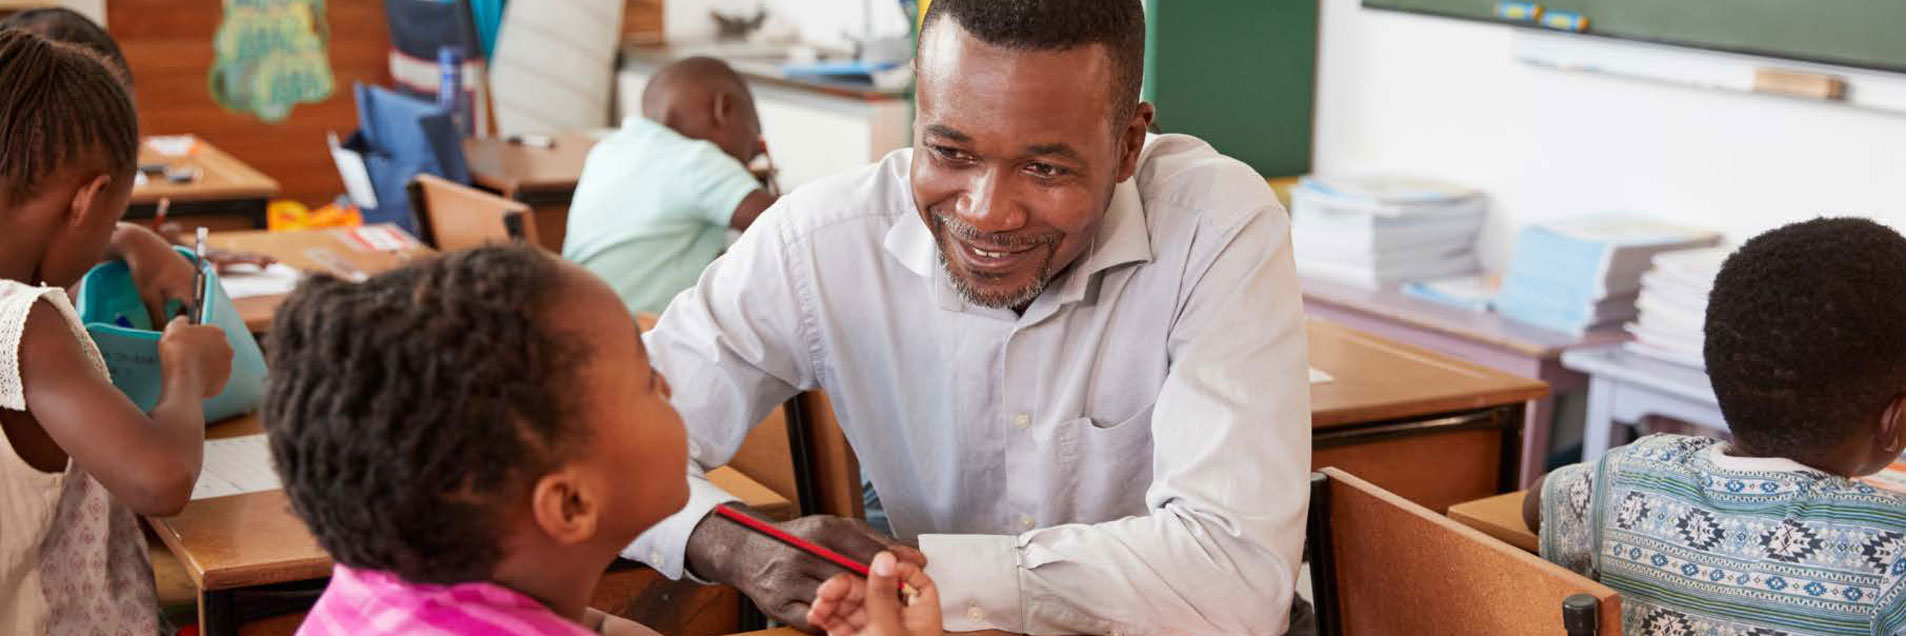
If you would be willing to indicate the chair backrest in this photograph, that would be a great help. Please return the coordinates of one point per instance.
(824, 462)
(1383, 565)
(453, 216)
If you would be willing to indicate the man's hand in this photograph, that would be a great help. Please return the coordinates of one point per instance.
(782, 580)
(159, 273)
(848, 606)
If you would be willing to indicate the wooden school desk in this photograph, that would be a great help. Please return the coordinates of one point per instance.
(1499, 516)
(1481, 337)
(302, 249)
(543, 178)
(1427, 426)
(226, 193)
(254, 540)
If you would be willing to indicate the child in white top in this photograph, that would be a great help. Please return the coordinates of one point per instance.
(77, 459)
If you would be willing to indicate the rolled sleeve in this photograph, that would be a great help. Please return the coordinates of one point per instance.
(664, 547)
(978, 579)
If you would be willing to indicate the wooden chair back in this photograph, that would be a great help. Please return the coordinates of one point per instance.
(453, 216)
(1383, 565)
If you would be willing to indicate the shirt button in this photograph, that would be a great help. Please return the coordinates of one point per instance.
(1025, 521)
(974, 613)
(655, 557)
(1021, 421)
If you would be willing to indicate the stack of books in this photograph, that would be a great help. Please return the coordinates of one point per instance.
(1673, 306)
(1378, 231)
(1582, 273)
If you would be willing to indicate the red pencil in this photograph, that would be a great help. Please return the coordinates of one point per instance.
(797, 543)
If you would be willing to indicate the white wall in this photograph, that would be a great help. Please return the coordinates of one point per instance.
(1444, 98)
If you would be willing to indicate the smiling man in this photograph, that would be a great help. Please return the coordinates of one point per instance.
(1070, 356)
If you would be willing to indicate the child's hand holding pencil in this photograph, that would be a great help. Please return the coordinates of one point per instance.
(846, 605)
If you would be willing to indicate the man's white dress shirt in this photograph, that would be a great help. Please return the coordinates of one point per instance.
(1131, 455)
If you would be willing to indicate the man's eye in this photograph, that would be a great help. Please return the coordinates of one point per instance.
(953, 155)
(1045, 170)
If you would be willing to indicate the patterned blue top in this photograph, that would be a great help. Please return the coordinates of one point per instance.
(1701, 543)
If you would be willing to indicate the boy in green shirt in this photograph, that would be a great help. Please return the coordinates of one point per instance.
(657, 197)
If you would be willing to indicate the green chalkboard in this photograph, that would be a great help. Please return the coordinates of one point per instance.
(1862, 33)
(1239, 74)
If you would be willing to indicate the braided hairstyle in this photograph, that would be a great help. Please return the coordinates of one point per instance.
(61, 24)
(60, 104)
(406, 411)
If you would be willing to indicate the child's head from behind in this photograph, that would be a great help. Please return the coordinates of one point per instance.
(1806, 344)
(703, 98)
(68, 146)
(467, 414)
(61, 24)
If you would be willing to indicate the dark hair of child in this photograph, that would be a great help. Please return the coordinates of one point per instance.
(1806, 335)
(406, 411)
(60, 105)
(61, 24)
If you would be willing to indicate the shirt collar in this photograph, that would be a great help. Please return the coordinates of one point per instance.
(1122, 238)
(1717, 455)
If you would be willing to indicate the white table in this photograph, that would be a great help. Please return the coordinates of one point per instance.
(1625, 387)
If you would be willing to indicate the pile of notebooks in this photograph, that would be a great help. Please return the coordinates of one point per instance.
(1578, 274)
(1673, 305)
(1378, 231)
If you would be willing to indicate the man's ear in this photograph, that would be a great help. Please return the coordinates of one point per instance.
(723, 109)
(79, 211)
(1132, 139)
(565, 507)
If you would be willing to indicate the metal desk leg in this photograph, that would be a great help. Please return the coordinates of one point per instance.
(1515, 421)
(218, 614)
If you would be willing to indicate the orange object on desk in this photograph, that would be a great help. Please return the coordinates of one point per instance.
(284, 216)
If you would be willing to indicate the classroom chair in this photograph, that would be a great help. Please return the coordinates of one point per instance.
(1380, 565)
(453, 216)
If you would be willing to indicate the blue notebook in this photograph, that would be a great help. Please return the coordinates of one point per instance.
(115, 317)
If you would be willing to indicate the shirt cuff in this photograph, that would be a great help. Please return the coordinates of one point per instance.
(978, 579)
(664, 547)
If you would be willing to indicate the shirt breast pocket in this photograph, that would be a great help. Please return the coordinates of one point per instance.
(1111, 460)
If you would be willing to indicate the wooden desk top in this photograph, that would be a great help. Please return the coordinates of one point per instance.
(1377, 379)
(1486, 328)
(1500, 517)
(256, 539)
(508, 168)
(294, 248)
(221, 177)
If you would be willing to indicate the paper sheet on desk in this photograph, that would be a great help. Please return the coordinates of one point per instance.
(1319, 377)
(247, 281)
(235, 466)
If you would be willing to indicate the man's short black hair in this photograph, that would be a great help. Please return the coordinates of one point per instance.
(1054, 25)
(1806, 334)
(61, 24)
(404, 412)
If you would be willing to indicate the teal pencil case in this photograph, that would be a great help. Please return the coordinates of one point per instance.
(110, 307)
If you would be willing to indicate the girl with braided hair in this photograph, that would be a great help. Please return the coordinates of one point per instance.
(473, 438)
(77, 458)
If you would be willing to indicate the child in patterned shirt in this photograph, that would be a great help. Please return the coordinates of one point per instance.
(1768, 534)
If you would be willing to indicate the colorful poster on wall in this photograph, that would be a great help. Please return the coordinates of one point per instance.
(270, 57)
